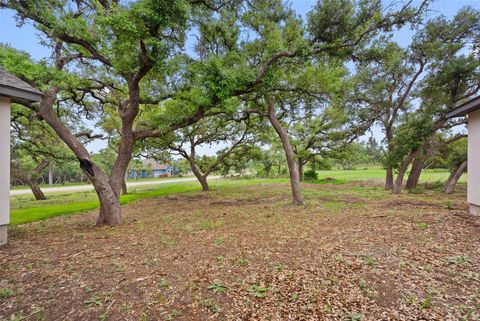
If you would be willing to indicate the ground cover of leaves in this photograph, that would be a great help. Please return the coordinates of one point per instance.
(354, 252)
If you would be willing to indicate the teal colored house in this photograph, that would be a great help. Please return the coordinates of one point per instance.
(150, 168)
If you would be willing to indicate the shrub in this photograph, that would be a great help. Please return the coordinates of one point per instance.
(417, 190)
(437, 185)
(330, 180)
(310, 175)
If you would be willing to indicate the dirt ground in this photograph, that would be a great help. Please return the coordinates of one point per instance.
(355, 252)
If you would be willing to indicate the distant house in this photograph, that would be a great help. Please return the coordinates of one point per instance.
(151, 168)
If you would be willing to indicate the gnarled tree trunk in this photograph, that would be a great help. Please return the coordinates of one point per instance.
(287, 147)
(267, 171)
(125, 153)
(110, 211)
(124, 187)
(389, 172)
(397, 187)
(449, 187)
(414, 176)
(300, 169)
(31, 179)
(204, 183)
(36, 190)
(389, 179)
(202, 179)
(109, 202)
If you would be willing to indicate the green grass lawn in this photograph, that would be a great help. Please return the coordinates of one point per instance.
(428, 175)
(25, 209)
(129, 180)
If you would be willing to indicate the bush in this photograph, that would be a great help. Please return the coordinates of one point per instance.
(310, 175)
(331, 180)
(417, 190)
(437, 185)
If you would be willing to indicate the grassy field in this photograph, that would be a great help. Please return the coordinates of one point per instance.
(25, 209)
(242, 252)
(429, 175)
(129, 180)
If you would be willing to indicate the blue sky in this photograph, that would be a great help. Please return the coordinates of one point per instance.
(27, 38)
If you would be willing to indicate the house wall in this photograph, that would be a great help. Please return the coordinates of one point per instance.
(138, 173)
(4, 167)
(151, 173)
(159, 172)
(474, 161)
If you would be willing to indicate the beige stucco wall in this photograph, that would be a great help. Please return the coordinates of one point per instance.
(4, 160)
(474, 158)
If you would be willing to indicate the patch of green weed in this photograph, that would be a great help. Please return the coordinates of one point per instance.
(210, 225)
(369, 260)
(459, 259)
(258, 291)
(218, 287)
(422, 225)
(354, 317)
(6, 293)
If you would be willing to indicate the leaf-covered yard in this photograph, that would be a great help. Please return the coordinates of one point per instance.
(355, 252)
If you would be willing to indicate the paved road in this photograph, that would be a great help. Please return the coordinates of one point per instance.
(83, 188)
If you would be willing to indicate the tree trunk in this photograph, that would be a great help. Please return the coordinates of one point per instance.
(125, 153)
(110, 211)
(36, 190)
(454, 177)
(267, 171)
(389, 179)
(414, 176)
(202, 179)
(389, 138)
(204, 183)
(287, 147)
(397, 187)
(300, 169)
(124, 187)
(128, 111)
(50, 174)
(109, 202)
(31, 179)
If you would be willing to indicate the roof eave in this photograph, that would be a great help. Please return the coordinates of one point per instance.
(466, 108)
(19, 95)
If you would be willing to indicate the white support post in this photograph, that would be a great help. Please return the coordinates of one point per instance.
(4, 168)
(474, 162)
